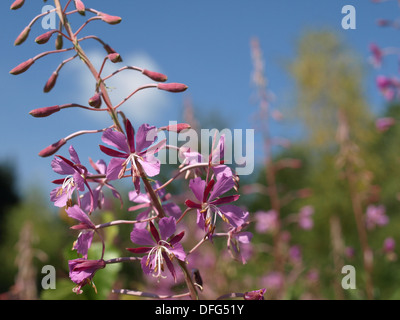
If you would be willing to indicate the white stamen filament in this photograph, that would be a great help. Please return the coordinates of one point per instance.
(158, 258)
(67, 184)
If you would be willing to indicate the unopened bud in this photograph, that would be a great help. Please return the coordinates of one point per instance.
(22, 67)
(95, 101)
(44, 112)
(53, 148)
(172, 87)
(176, 127)
(109, 19)
(42, 39)
(59, 42)
(80, 7)
(17, 4)
(115, 57)
(22, 36)
(51, 82)
(156, 76)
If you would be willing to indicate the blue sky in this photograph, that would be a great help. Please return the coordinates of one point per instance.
(204, 44)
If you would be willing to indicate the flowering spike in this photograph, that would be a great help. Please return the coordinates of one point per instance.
(80, 7)
(53, 148)
(172, 87)
(22, 67)
(95, 101)
(156, 76)
(17, 4)
(115, 57)
(109, 19)
(51, 82)
(44, 112)
(22, 36)
(45, 37)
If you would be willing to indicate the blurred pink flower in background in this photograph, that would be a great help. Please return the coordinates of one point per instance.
(375, 216)
(305, 220)
(383, 124)
(266, 221)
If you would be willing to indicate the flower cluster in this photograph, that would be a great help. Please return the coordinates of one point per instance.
(133, 155)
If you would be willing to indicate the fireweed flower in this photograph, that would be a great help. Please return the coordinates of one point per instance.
(383, 124)
(75, 179)
(389, 245)
(375, 216)
(255, 295)
(144, 201)
(305, 220)
(86, 227)
(266, 221)
(209, 201)
(236, 237)
(133, 150)
(215, 159)
(82, 271)
(163, 246)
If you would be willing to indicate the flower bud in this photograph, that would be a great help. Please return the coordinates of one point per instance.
(53, 148)
(22, 36)
(17, 4)
(156, 76)
(22, 67)
(51, 82)
(80, 7)
(114, 57)
(59, 42)
(172, 87)
(95, 101)
(109, 19)
(44, 112)
(42, 39)
(176, 127)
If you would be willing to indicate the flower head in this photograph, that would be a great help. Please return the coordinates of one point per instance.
(210, 204)
(134, 150)
(255, 295)
(304, 217)
(375, 216)
(86, 227)
(75, 179)
(82, 271)
(237, 236)
(161, 246)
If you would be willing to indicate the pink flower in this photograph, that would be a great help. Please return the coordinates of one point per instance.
(383, 124)
(375, 216)
(255, 295)
(266, 221)
(304, 218)
(133, 150)
(82, 271)
(389, 245)
(162, 246)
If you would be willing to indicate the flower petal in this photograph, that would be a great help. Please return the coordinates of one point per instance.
(114, 168)
(141, 237)
(167, 227)
(234, 214)
(116, 139)
(145, 136)
(76, 213)
(224, 184)
(152, 168)
(73, 155)
(172, 210)
(130, 134)
(197, 186)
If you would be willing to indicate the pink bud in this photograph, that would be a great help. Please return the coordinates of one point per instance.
(42, 39)
(51, 149)
(51, 82)
(114, 57)
(80, 7)
(176, 127)
(22, 36)
(156, 76)
(109, 19)
(22, 67)
(172, 87)
(95, 101)
(44, 112)
(17, 4)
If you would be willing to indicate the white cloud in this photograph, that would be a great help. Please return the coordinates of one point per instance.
(148, 105)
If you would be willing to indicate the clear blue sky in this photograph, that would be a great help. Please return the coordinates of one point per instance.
(204, 44)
